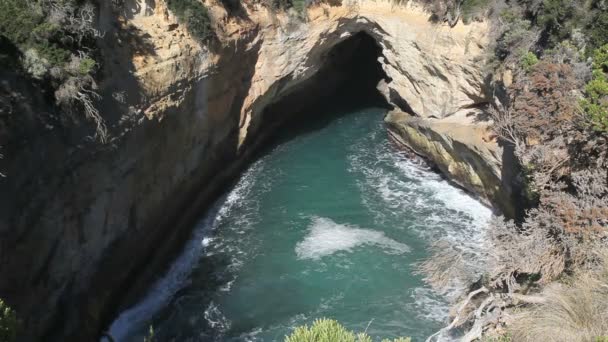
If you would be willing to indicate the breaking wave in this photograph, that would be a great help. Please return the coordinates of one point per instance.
(133, 319)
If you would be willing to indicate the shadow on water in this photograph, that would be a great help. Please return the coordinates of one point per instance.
(355, 62)
(328, 110)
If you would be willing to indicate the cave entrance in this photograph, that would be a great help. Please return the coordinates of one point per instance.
(347, 80)
(355, 66)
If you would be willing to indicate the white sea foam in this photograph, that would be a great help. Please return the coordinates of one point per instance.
(436, 210)
(215, 318)
(326, 237)
(428, 304)
(161, 293)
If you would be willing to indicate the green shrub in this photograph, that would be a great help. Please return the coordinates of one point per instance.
(54, 54)
(595, 103)
(558, 18)
(299, 5)
(528, 61)
(56, 43)
(86, 66)
(518, 30)
(8, 323)
(18, 19)
(597, 30)
(194, 15)
(329, 330)
(29, 25)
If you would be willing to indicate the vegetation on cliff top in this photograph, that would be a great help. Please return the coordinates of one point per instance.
(194, 15)
(54, 42)
(548, 270)
(329, 330)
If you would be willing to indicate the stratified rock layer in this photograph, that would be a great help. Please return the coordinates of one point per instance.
(466, 152)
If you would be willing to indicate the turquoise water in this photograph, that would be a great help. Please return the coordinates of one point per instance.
(329, 223)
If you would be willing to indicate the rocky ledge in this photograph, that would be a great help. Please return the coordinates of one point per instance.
(463, 149)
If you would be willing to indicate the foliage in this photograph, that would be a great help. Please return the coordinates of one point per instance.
(56, 39)
(549, 23)
(595, 103)
(328, 330)
(573, 208)
(528, 61)
(541, 102)
(561, 233)
(54, 28)
(447, 268)
(8, 323)
(86, 66)
(19, 19)
(597, 30)
(517, 34)
(194, 15)
(558, 17)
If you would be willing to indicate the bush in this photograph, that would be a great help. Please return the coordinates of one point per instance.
(528, 61)
(597, 30)
(194, 15)
(56, 39)
(86, 66)
(595, 103)
(559, 17)
(517, 33)
(18, 19)
(329, 330)
(8, 323)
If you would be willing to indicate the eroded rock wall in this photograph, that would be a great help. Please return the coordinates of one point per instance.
(465, 151)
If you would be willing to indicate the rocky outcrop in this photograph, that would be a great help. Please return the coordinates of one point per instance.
(434, 70)
(81, 223)
(465, 151)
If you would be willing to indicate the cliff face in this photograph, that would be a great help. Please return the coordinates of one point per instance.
(465, 151)
(80, 223)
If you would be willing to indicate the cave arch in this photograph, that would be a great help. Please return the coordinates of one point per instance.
(350, 74)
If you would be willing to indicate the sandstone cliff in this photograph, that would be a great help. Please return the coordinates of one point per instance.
(80, 223)
(465, 151)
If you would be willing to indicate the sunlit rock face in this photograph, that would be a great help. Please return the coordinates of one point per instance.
(83, 226)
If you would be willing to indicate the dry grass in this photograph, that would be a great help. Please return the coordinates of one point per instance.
(447, 267)
(572, 312)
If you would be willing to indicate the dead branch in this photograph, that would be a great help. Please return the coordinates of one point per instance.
(480, 321)
(459, 312)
